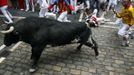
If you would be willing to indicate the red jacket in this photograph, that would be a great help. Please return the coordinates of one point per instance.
(3, 3)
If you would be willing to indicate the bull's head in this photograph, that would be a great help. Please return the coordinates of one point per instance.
(91, 19)
(91, 23)
(11, 36)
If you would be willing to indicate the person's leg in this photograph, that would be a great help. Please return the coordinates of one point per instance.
(73, 3)
(32, 5)
(21, 4)
(43, 8)
(62, 16)
(78, 7)
(109, 4)
(126, 39)
(14, 4)
(5, 13)
(48, 1)
(92, 2)
(124, 35)
(66, 19)
(9, 14)
(27, 5)
(88, 5)
(42, 12)
(98, 7)
(131, 33)
(50, 15)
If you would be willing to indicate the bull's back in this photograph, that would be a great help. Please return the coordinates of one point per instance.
(64, 33)
(49, 31)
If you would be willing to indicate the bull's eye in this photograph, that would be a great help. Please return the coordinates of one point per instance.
(16, 33)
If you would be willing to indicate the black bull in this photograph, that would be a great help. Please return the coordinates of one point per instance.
(39, 32)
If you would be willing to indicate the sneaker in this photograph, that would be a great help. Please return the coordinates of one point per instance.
(131, 35)
(59, 20)
(32, 69)
(26, 9)
(21, 9)
(80, 20)
(8, 22)
(66, 21)
(32, 10)
(125, 44)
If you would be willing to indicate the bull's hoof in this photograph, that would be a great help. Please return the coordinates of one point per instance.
(78, 49)
(32, 69)
(96, 54)
(96, 51)
(96, 57)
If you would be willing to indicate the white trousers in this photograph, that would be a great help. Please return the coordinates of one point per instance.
(27, 2)
(42, 12)
(123, 30)
(63, 17)
(43, 7)
(6, 13)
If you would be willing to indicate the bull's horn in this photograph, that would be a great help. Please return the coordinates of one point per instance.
(8, 31)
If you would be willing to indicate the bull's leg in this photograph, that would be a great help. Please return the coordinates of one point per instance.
(36, 53)
(82, 39)
(94, 46)
(79, 47)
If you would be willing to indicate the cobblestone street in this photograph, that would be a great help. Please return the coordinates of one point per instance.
(64, 60)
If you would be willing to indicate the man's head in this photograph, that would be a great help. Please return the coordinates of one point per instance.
(126, 3)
